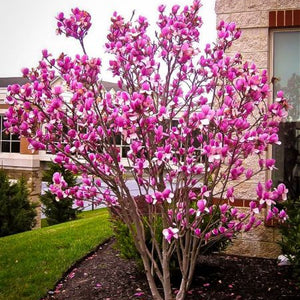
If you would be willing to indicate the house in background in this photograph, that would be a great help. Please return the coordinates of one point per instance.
(271, 39)
(16, 157)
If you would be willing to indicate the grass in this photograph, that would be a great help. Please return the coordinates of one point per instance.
(32, 262)
(80, 215)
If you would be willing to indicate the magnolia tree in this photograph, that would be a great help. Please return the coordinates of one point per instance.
(190, 119)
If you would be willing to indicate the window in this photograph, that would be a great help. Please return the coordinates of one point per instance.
(286, 77)
(194, 142)
(8, 142)
(122, 145)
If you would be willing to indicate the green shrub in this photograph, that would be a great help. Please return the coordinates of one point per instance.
(17, 214)
(290, 243)
(126, 246)
(58, 211)
(124, 240)
(125, 243)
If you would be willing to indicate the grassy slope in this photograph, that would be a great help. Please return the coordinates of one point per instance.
(32, 262)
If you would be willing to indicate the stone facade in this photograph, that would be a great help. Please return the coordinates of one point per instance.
(256, 18)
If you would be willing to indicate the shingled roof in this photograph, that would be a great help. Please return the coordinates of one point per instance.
(110, 85)
(6, 81)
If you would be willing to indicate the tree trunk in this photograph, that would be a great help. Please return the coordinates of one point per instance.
(150, 279)
(182, 290)
(166, 274)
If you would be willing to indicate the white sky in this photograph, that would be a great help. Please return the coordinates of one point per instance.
(28, 26)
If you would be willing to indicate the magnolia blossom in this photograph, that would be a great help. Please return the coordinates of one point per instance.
(170, 233)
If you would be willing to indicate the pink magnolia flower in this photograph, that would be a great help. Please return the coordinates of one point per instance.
(170, 233)
(283, 215)
(270, 164)
(223, 208)
(79, 203)
(198, 232)
(229, 194)
(201, 204)
(282, 192)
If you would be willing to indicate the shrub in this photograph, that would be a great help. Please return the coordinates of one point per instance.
(62, 210)
(290, 243)
(17, 214)
(125, 241)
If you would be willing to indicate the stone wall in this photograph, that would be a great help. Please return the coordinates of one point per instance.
(256, 18)
(253, 18)
(258, 242)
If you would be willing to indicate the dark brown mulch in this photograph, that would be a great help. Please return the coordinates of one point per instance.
(105, 275)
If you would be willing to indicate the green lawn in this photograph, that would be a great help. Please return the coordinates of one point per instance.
(33, 261)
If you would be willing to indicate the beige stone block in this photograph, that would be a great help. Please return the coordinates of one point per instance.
(260, 4)
(224, 17)
(252, 40)
(254, 249)
(260, 233)
(260, 59)
(251, 19)
(246, 190)
(288, 4)
(223, 6)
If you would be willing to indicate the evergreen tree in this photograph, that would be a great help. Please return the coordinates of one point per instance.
(17, 214)
(62, 210)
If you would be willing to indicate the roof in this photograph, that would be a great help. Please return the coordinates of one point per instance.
(6, 81)
(110, 85)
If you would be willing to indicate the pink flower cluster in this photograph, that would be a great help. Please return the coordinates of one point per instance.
(76, 26)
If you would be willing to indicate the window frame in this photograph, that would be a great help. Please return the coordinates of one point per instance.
(271, 60)
(13, 138)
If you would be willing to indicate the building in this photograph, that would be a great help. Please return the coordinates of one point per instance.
(271, 39)
(16, 157)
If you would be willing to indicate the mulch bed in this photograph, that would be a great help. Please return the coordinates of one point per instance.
(105, 275)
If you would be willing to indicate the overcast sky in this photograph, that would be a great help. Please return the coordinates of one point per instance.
(28, 26)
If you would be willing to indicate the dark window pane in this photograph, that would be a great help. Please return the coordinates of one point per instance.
(124, 151)
(15, 147)
(175, 123)
(5, 135)
(118, 139)
(5, 146)
(195, 134)
(15, 137)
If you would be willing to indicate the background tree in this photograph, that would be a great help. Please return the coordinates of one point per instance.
(17, 214)
(55, 210)
(191, 119)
